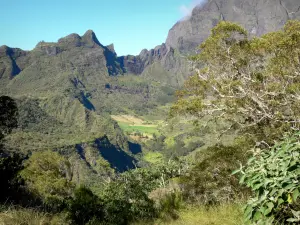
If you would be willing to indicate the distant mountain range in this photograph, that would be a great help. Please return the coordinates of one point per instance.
(66, 90)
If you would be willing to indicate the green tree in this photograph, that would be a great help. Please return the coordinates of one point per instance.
(10, 163)
(8, 115)
(85, 207)
(48, 174)
(250, 82)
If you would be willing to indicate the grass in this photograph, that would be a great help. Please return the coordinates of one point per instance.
(133, 125)
(127, 119)
(145, 129)
(153, 157)
(227, 214)
(17, 216)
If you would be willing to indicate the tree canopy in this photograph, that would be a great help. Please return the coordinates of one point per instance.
(8, 115)
(249, 81)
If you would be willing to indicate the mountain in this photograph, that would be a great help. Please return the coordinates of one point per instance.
(67, 90)
(257, 16)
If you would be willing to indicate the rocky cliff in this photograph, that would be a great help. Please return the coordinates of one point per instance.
(257, 16)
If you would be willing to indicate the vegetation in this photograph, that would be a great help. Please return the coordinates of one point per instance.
(225, 214)
(244, 96)
(48, 175)
(274, 176)
(136, 128)
(253, 83)
(30, 216)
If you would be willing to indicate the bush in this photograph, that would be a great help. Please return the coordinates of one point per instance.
(48, 175)
(274, 176)
(127, 200)
(169, 205)
(10, 166)
(85, 207)
(210, 181)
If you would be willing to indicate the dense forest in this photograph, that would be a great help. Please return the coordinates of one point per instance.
(228, 152)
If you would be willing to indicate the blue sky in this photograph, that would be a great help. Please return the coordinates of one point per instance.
(130, 24)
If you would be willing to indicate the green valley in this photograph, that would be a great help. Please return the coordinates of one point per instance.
(202, 129)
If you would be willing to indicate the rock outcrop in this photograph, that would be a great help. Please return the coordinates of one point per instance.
(257, 16)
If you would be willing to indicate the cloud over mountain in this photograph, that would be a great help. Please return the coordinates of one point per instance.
(186, 10)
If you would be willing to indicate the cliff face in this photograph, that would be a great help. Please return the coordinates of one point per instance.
(257, 16)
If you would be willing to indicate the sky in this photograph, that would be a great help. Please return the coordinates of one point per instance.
(131, 25)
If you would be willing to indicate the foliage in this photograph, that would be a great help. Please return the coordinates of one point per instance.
(8, 115)
(250, 82)
(274, 176)
(127, 197)
(84, 206)
(124, 203)
(210, 181)
(10, 163)
(48, 175)
(153, 157)
(169, 205)
(10, 166)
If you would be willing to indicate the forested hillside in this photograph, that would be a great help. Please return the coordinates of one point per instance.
(203, 129)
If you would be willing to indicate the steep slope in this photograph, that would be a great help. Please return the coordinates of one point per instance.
(52, 85)
(257, 16)
(82, 68)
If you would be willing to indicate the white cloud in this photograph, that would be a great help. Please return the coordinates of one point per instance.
(186, 10)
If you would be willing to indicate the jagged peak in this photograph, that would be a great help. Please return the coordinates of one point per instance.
(89, 32)
(70, 37)
(111, 47)
(90, 38)
(144, 51)
(163, 45)
(4, 47)
(6, 50)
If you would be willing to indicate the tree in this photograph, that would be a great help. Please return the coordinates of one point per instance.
(250, 82)
(10, 163)
(84, 207)
(8, 115)
(48, 174)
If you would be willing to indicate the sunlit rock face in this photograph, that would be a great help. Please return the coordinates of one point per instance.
(257, 16)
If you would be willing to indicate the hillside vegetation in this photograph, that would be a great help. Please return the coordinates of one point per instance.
(228, 153)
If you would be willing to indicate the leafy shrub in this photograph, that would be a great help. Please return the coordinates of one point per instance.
(274, 177)
(8, 115)
(10, 166)
(126, 199)
(85, 207)
(210, 180)
(169, 205)
(48, 175)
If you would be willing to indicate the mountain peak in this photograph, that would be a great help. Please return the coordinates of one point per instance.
(90, 39)
(111, 47)
(89, 32)
(71, 40)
